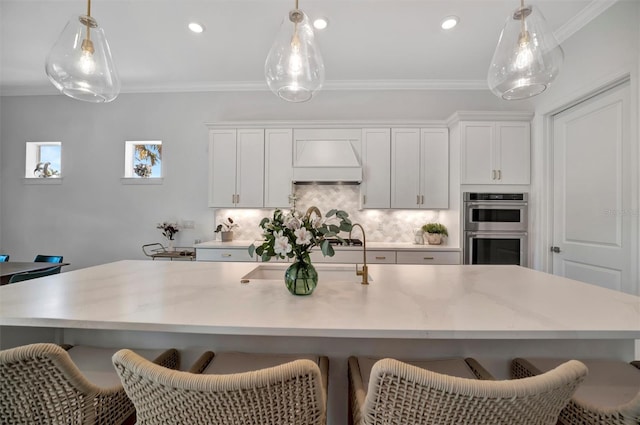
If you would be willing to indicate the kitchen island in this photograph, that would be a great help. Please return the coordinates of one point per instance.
(492, 313)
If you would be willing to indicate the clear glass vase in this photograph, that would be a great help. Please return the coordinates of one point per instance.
(301, 278)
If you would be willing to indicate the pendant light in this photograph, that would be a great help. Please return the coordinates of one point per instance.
(80, 63)
(294, 69)
(527, 58)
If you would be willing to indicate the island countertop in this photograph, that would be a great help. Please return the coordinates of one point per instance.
(402, 301)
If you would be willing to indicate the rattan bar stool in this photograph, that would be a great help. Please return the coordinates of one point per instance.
(610, 395)
(228, 388)
(46, 384)
(418, 394)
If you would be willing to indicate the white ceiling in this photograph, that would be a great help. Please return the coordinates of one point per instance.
(369, 43)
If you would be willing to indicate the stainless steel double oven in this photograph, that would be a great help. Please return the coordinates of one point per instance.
(495, 228)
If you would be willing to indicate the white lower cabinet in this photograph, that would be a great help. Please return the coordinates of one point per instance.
(428, 257)
(223, 254)
(355, 257)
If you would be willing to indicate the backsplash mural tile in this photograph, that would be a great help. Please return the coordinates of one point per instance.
(380, 225)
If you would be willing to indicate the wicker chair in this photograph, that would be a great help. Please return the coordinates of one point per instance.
(610, 395)
(293, 392)
(46, 384)
(401, 393)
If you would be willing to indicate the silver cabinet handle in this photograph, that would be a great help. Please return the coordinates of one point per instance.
(226, 255)
(381, 258)
(428, 258)
(418, 199)
(233, 198)
(499, 174)
(555, 249)
(237, 199)
(364, 199)
(421, 199)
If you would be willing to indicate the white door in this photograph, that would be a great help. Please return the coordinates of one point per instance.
(250, 168)
(435, 168)
(278, 167)
(405, 168)
(594, 220)
(375, 189)
(222, 168)
(513, 152)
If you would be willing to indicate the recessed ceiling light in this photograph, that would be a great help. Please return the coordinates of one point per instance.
(321, 23)
(449, 22)
(196, 27)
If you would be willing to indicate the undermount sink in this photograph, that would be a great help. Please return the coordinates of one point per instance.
(325, 273)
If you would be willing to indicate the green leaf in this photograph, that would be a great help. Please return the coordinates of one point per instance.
(331, 213)
(334, 228)
(345, 227)
(264, 221)
(327, 249)
(342, 214)
(266, 257)
(252, 249)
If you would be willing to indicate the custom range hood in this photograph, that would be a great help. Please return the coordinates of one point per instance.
(327, 157)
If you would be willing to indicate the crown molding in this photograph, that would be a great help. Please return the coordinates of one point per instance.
(324, 124)
(257, 86)
(582, 18)
(489, 116)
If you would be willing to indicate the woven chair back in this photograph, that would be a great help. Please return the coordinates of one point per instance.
(39, 384)
(287, 394)
(402, 393)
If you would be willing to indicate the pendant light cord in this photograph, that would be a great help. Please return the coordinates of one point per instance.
(523, 30)
(89, 15)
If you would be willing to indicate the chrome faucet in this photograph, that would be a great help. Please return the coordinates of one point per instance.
(365, 270)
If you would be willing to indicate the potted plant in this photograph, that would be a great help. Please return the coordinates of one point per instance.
(434, 233)
(226, 230)
(168, 231)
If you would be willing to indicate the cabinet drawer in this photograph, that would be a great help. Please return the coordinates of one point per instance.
(428, 257)
(355, 256)
(208, 254)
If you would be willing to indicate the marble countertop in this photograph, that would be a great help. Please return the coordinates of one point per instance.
(402, 301)
(373, 246)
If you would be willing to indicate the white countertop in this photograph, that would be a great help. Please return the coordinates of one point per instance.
(403, 301)
(373, 246)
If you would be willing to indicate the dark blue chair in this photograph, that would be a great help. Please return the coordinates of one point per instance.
(48, 259)
(4, 258)
(19, 277)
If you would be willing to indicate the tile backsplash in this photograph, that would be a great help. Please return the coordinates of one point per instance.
(380, 225)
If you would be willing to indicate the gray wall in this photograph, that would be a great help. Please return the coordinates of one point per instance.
(92, 218)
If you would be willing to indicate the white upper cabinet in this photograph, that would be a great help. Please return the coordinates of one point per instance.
(236, 168)
(420, 168)
(278, 167)
(375, 190)
(495, 152)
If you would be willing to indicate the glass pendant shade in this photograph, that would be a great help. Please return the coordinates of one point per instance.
(527, 58)
(80, 63)
(294, 69)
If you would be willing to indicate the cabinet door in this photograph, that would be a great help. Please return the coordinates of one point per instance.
(513, 149)
(222, 168)
(435, 168)
(477, 152)
(405, 168)
(278, 167)
(375, 189)
(250, 169)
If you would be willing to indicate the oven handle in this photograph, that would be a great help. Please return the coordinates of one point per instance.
(496, 204)
(496, 233)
